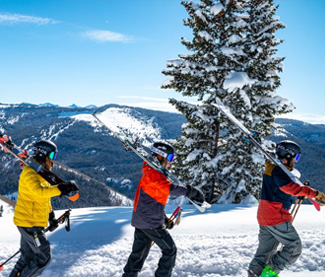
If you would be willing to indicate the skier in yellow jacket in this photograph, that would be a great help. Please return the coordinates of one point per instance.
(33, 212)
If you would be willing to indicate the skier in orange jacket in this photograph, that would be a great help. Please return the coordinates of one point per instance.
(149, 218)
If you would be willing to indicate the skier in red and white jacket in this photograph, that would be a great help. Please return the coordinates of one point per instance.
(274, 217)
(149, 218)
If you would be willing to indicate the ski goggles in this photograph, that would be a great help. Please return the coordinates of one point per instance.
(170, 157)
(53, 155)
(297, 157)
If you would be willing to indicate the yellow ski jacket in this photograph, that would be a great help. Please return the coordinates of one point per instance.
(34, 199)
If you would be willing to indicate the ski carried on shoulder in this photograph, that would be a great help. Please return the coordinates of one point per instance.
(138, 149)
(22, 155)
(252, 138)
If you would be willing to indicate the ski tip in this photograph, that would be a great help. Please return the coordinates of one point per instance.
(202, 207)
(316, 204)
(206, 205)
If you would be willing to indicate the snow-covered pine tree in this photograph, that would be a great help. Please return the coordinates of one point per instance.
(216, 51)
(227, 61)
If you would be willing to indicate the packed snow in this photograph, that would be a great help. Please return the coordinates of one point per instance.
(237, 80)
(219, 242)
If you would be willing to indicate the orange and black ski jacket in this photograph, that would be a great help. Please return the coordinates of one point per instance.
(276, 196)
(151, 198)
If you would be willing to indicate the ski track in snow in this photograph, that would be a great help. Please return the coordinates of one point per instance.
(220, 242)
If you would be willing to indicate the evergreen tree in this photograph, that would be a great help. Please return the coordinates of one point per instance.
(231, 58)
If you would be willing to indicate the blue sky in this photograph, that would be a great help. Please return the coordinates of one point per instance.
(113, 51)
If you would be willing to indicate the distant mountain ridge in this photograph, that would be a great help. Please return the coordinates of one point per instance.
(88, 147)
(83, 145)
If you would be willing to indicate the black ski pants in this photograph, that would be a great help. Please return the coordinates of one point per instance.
(33, 258)
(143, 239)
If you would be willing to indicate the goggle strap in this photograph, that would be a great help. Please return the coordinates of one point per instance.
(159, 152)
(288, 150)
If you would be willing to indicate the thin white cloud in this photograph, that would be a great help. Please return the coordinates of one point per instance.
(165, 107)
(144, 98)
(310, 118)
(151, 103)
(104, 36)
(11, 18)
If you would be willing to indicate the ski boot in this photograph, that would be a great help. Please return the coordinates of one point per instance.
(269, 272)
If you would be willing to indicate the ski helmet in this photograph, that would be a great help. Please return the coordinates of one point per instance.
(288, 150)
(45, 148)
(164, 150)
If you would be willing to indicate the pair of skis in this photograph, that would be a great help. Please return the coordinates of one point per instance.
(9, 147)
(251, 137)
(138, 149)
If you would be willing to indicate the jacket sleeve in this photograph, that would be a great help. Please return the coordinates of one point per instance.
(285, 184)
(37, 187)
(298, 190)
(177, 190)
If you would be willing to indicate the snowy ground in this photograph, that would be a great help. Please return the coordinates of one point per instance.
(220, 242)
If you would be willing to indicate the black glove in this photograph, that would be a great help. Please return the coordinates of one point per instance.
(67, 187)
(169, 225)
(195, 194)
(53, 224)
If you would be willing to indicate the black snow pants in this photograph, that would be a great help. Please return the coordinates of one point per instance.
(35, 255)
(143, 239)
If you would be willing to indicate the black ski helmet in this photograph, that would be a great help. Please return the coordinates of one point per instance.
(43, 149)
(288, 150)
(164, 150)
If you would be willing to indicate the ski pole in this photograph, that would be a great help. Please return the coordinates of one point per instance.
(174, 216)
(1, 265)
(300, 199)
(65, 217)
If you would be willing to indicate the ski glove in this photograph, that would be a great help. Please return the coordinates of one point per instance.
(195, 194)
(67, 187)
(168, 224)
(320, 197)
(53, 223)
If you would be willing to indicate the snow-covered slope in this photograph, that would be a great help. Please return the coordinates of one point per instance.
(130, 122)
(220, 242)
